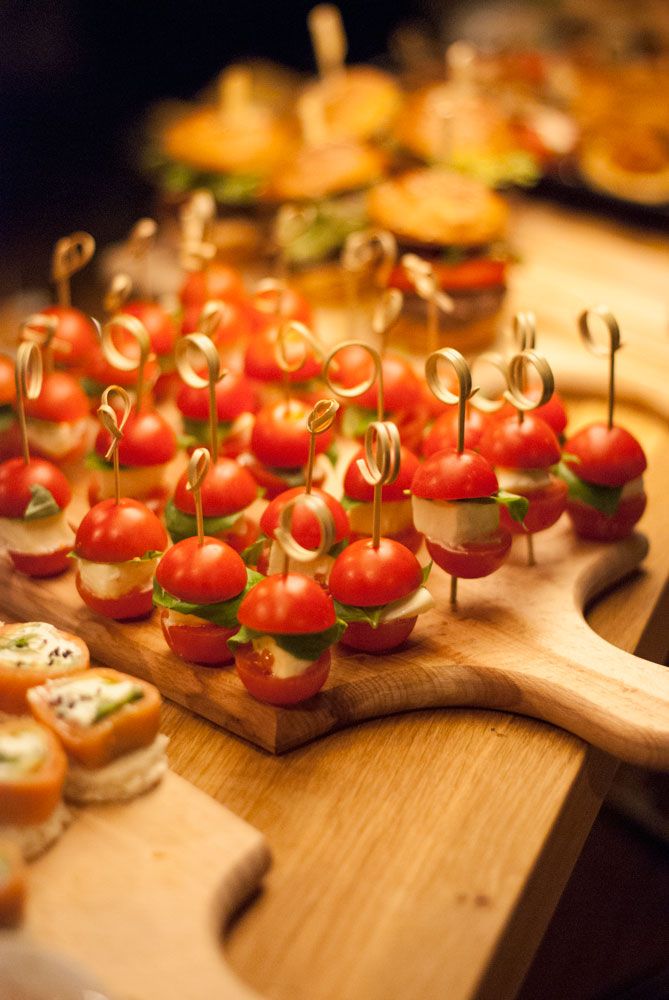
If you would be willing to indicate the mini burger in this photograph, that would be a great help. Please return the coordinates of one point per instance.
(458, 225)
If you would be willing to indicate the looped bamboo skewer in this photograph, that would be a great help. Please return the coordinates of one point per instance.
(118, 292)
(121, 361)
(110, 420)
(380, 466)
(198, 467)
(600, 351)
(353, 392)
(319, 420)
(201, 343)
(28, 379)
(421, 274)
(292, 548)
(42, 329)
(70, 254)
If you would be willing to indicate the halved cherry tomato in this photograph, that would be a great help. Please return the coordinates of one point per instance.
(205, 644)
(592, 524)
(444, 431)
(546, 507)
(256, 677)
(365, 576)
(7, 383)
(216, 281)
(46, 564)
(606, 456)
(388, 635)
(235, 394)
(159, 324)
(287, 604)
(228, 487)
(148, 439)
(116, 532)
(260, 360)
(135, 604)
(475, 560)
(16, 478)
(304, 524)
(204, 573)
(292, 305)
(76, 337)
(280, 437)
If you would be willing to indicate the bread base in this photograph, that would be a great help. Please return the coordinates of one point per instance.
(35, 838)
(122, 779)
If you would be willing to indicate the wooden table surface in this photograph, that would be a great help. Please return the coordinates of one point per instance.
(422, 855)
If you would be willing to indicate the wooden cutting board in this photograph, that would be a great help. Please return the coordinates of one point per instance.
(517, 642)
(139, 893)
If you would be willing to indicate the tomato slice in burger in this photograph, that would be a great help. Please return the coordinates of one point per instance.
(259, 681)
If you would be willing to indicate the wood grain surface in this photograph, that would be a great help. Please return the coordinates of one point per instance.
(129, 883)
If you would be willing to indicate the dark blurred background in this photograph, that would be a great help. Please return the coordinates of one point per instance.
(76, 78)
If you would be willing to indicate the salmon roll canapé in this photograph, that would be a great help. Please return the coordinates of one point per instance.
(32, 653)
(108, 723)
(33, 766)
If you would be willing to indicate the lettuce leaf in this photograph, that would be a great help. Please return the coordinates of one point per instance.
(224, 613)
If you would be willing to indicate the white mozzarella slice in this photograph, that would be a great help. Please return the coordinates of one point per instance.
(57, 439)
(517, 480)
(396, 517)
(284, 664)
(632, 489)
(415, 604)
(112, 580)
(39, 536)
(454, 523)
(177, 618)
(314, 568)
(133, 482)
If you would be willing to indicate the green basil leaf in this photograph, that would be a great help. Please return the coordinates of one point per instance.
(251, 554)
(351, 613)
(291, 477)
(42, 504)
(91, 387)
(181, 525)
(7, 417)
(605, 499)
(149, 554)
(516, 506)
(306, 646)
(426, 572)
(235, 189)
(348, 503)
(223, 613)
(96, 462)
(198, 430)
(356, 420)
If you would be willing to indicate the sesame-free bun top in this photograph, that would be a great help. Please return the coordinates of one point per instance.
(437, 207)
(359, 103)
(333, 168)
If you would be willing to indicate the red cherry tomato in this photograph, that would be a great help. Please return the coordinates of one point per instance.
(235, 394)
(233, 327)
(160, 325)
(202, 574)
(116, 532)
(61, 399)
(357, 488)
(512, 444)
(271, 482)
(244, 534)
(227, 488)
(592, 524)
(475, 560)
(546, 507)
(204, 644)
(76, 337)
(450, 475)
(387, 636)
(304, 524)
(216, 281)
(289, 604)
(46, 564)
(291, 305)
(408, 537)
(280, 437)
(16, 478)
(444, 431)
(260, 360)
(148, 439)
(133, 605)
(256, 677)
(364, 576)
(553, 412)
(101, 373)
(607, 456)
(402, 389)
(7, 382)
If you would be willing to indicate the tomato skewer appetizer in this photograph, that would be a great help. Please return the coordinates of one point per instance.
(455, 493)
(603, 464)
(77, 335)
(377, 583)
(200, 583)
(33, 492)
(119, 542)
(288, 622)
(524, 449)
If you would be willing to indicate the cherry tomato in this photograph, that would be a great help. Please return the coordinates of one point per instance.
(304, 524)
(256, 677)
(45, 564)
(202, 574)
(116, 532)
(553, 412)
(280, 438)
(408, 537)
(61, 399)
(449, 475)
(227, 488)
(444, 431)
(260, 360)
(291, 305)
(387, 636)
(233, 327)
(205, 644)
(364, 576)
(481, 272)
(546, 507)
(235, 394)
(101, 373)
(402, 388)
(16, 478)
(7, 382)
(289, 604)
(76, 337)
(135, 604)
(159, 324)
(216, 281)
(592, 524)
(512, 444)
(270, 480)
(148, 439)
(607, 456)
(244, 533)
(357, 488)
(475, 560)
